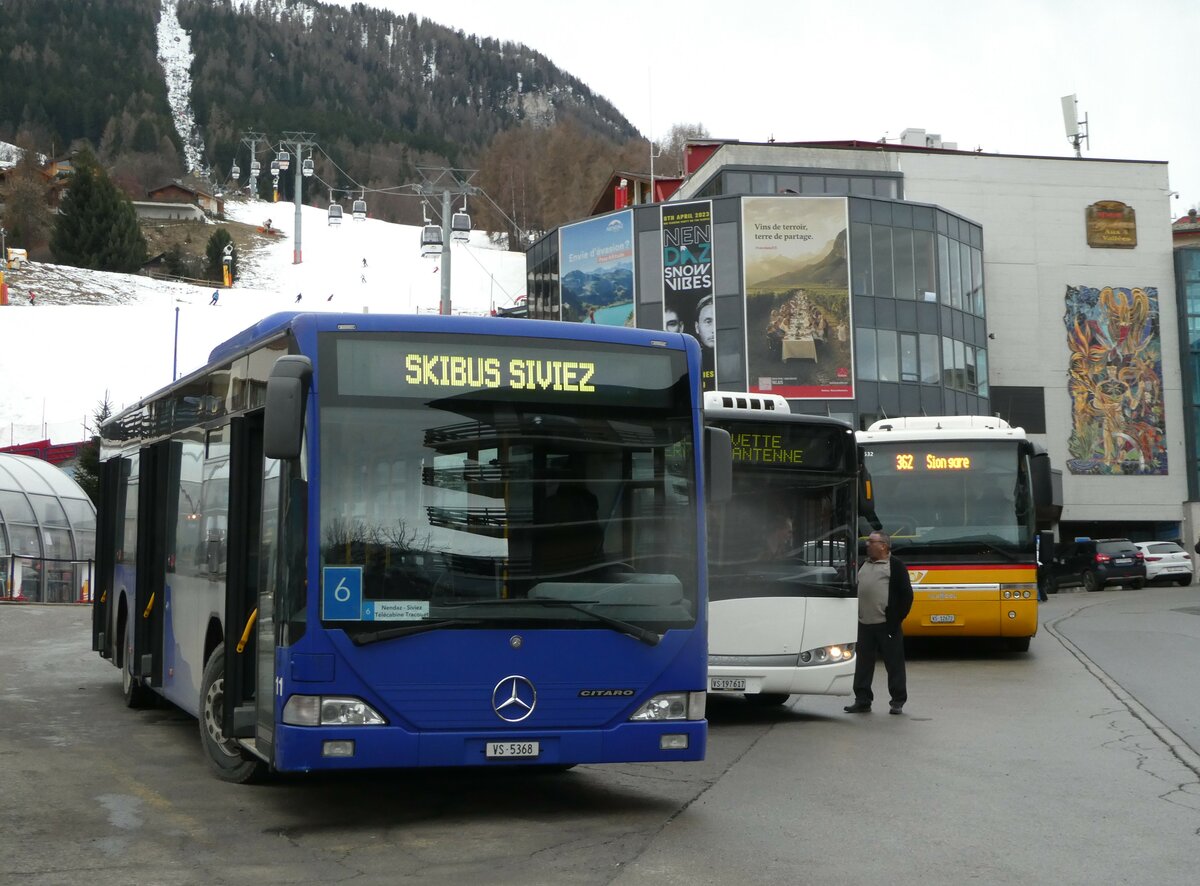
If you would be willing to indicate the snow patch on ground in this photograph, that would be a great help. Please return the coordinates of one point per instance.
(175, 55)
(91, 332)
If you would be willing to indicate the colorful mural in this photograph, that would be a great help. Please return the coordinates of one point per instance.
(1115, 381)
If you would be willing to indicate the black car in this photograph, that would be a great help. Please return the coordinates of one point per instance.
(1094, 563)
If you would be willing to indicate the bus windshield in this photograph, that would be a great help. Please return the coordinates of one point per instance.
(787, 529)
(507, 481)
(964, 495)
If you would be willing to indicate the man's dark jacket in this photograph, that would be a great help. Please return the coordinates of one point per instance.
(900, 595)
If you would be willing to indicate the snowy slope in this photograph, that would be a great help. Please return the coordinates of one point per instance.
(92, 332)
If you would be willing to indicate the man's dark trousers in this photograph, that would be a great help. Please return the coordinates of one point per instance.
(873, 640)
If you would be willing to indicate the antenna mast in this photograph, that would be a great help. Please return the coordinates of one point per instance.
(1071, 122)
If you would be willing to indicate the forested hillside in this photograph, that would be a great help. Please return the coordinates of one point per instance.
(381, 93)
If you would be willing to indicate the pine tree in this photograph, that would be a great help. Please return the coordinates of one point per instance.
(96, 226)
(87, 471)
(215, 251)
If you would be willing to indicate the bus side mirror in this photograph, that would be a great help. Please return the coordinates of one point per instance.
(718, 465)
(283, 423)
(866, 497)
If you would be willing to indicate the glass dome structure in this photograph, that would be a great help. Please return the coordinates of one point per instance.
(47, 533)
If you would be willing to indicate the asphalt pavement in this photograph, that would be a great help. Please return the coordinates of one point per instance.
(1069, 764)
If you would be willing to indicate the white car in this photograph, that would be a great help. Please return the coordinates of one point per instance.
(1166, 561)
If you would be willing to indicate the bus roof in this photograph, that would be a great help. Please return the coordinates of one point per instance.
(276, 324)
(942, 427)
(280, 323)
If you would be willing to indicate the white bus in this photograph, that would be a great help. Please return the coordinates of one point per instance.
(782, 553)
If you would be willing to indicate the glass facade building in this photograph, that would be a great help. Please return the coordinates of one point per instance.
(47, 533)
(916, 287)
(1187, 281)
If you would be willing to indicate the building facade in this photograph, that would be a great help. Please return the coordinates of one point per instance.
(926, 281)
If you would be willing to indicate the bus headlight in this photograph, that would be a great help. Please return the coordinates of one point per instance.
(672, 706)
(827, 654)
(330, 710)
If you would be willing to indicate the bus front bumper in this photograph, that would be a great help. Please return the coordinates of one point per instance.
(314, 748)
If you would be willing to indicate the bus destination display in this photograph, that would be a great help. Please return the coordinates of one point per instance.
(908, 461)
(778, 444)
(423, 366)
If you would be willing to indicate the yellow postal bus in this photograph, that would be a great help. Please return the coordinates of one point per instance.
(963, 498)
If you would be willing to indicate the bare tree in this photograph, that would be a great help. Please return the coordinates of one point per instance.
(670, 159)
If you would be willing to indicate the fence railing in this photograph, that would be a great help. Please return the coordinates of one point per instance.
(34, 580)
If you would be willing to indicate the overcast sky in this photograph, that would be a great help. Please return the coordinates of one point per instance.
(985, 74)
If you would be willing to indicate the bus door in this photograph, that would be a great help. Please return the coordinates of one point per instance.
(158, 505)
(249, 611)
(108, 519)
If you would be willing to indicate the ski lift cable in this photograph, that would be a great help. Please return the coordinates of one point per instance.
(498, 284)
(520, 231)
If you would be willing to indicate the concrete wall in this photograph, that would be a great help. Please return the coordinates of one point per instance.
(1034, 246)
(167, 211)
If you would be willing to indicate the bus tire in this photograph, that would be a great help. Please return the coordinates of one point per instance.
(225, 756)
(1018, 644)
(767, 699)
(137, 695)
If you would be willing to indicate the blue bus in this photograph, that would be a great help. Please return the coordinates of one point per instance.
(365, 541)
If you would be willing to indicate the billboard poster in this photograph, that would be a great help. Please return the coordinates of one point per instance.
(799, 335)
(595, 266)
(1115, 381)
(688, 303)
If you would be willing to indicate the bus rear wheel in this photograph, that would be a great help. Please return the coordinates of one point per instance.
(1018, 644)
(224, 754)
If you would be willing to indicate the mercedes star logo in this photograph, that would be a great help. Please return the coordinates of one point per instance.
(513, 699)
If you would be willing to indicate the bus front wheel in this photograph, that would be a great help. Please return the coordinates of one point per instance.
(227, 758)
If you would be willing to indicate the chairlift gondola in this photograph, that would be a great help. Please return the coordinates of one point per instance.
(431, 241)
(284, 160)
(307, 168)
(255, 168)
(460, 227)
(235, 172)
(335, 213)
(359, 209)
(275, 168)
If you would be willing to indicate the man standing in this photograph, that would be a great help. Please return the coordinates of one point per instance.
(885, 596)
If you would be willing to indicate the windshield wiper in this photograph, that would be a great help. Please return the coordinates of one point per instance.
(971, 546)
(408, 630)
(647, 636)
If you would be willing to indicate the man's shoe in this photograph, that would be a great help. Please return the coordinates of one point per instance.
(857, 708)
(896, 709)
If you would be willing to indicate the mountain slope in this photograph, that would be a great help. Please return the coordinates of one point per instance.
(380, 93)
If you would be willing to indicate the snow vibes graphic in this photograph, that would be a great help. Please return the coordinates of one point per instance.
(688, 304)
(687, 248)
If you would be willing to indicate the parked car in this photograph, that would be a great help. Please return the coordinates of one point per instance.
(1095, 563)
(1167, 561)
